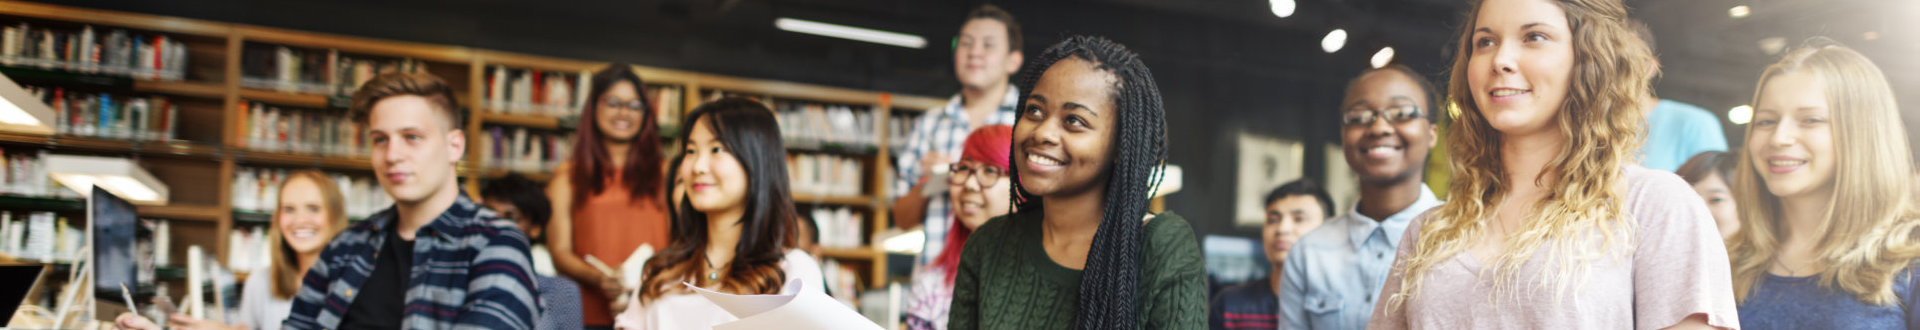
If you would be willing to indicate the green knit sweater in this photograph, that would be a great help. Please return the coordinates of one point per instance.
(1006, 280)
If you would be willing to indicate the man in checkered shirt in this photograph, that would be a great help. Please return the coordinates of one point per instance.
(985, 53)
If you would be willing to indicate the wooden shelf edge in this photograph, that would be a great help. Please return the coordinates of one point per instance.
(916, 103)
(443, 54)
(315, 101)
(490, 58)
(115, 18)
(855, 253)
(859, 201)
(179, 148)
(531, 121)
(181, 88)
(181, 212)
(293, 159)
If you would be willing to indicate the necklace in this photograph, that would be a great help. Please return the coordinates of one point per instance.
(713, 272)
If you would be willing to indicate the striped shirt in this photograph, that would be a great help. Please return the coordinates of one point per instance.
(471, 270)
(942, 131)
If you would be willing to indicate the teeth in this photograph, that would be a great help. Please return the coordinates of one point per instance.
(303, 233)
(1507, 92)
(1383, 149)
(1036, 159)
(1786, 162)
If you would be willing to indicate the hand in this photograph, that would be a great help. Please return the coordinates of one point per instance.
(934, 162)
(610, 286)
(128, 321)
(179, 321)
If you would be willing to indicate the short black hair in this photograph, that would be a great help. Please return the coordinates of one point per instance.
(992, 12)
(1302, 187)
(523, 193)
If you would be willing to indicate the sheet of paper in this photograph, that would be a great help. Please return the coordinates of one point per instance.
(635, 265)
(793, 309)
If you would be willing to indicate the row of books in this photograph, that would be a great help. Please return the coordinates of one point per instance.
(257, 190)
(808, 125)
(536, 92)
(24, 173)
(900, 128)
(40, 236)
(842, 280)
(249, 249)
(118, 53)
(523, 150)
(840, 227)
(825, 175)
(268, 127)
(292, 70)
(108, 115)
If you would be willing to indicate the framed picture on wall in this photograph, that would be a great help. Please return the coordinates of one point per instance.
(1265, 163)
(1342, 184)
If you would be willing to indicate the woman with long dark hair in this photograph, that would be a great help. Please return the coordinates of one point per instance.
(607, 199)
(734, 231)
(1082, 251)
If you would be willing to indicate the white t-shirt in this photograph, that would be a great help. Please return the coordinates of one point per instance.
(691, 311)
(258, 308)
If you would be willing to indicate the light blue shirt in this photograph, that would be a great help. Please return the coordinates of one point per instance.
(1676, 131)
(1334, 274)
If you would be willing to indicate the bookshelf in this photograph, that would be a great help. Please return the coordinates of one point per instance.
(229, 67)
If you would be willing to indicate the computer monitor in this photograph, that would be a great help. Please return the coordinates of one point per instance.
(112, 225)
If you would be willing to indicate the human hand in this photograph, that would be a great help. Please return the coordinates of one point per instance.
(128, 321)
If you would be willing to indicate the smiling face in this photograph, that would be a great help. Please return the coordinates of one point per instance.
(619, 112)
(1719, 198)
(714, 178)
(1791, 141)
(413, 150)
(1387, 150)
(1287, 219)
(302, 217)
(1063, 142)
(1520, 65)
(983, 56)
(975, 201)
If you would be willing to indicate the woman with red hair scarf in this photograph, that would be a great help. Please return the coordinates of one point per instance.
(979, 191)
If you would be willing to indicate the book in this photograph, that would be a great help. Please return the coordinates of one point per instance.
(109, 115)
(146, 56)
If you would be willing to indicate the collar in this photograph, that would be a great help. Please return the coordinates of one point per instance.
(1359, 226)
(457, 216)
(957, 105)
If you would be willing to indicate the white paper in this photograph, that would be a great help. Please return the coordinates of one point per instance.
(635, 265)
(793, 308)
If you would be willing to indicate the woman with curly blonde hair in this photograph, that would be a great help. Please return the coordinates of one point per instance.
(1828, 238)
(1550, 225)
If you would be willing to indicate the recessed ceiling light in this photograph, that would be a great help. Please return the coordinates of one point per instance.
(1740, 11)
(1282, 8)
(1740, 115)
(1773, 45)
(850, 32)
(1870, 35)
(1334, 40)
(1383, 57)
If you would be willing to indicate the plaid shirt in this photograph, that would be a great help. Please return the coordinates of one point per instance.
(471, 270)
(943, 131)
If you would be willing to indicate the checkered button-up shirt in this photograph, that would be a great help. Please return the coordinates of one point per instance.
(471, 270)
(942, 131)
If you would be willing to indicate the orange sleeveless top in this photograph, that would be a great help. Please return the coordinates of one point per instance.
(609, 226)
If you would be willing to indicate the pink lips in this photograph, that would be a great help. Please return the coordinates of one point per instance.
(1778, 169)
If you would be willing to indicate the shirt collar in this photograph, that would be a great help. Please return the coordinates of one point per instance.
(444, 226)
(1359, 226)
(956, 106)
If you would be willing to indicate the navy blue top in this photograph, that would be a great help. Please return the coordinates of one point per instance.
(1800, 303)
(1250, 305)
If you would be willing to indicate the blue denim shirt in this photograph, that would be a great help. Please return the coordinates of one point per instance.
(1334, 274)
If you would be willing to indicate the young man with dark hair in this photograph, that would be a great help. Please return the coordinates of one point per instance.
(1333, 276)
(985, 54)
(524, 202)
(435, 259)
(1293, 209)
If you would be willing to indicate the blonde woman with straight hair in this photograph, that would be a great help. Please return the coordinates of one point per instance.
(1549, 225)
(1829, 238)
(310, 211)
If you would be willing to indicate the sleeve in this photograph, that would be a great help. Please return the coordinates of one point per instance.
(1680, 266)
(312, 296)
(1385, 316)
(500, 289)
(964, 311)
(1913, 297)
(253, 299)
(1707, 136)
(907, 165)
(1293, 291)
(1178, 299)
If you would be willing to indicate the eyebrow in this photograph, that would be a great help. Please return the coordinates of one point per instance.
(1038, 97)
(1071, 105)
(1522, 27)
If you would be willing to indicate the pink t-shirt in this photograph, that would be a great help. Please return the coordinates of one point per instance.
(1677, 268)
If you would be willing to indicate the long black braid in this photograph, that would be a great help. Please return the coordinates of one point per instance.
(1109, 288)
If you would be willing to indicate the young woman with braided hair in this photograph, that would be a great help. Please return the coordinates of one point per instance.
(1087, 151)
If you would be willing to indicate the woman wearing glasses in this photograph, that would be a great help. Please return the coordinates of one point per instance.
(979, 191)
(607, 199)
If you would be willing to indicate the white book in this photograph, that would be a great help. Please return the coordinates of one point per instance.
(41, 236)
(496, 90)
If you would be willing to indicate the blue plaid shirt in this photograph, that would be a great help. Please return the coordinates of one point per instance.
(471, 270)
(942, 131)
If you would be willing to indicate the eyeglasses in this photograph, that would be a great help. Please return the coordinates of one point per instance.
(989, 176)
(635, 105)
(1395, 114)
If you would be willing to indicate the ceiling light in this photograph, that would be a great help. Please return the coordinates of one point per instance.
(1870, 35)
(1380, 59)
(1282, 8)
(850, 32)
(1773, 45)
(120, 176)
(1740, 11)
(1740, 115)
(20, 112)
(1334, 40)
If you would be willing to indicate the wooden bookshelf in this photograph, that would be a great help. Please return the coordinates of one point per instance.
(200, 168)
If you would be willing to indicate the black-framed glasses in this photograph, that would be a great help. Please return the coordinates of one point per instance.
(635, 105)
(989, 176)
(1399, 113)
